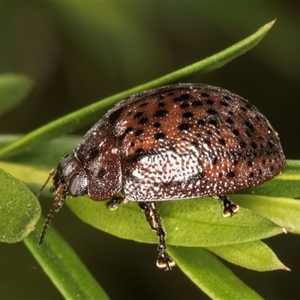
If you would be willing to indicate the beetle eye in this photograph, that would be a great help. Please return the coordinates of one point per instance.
(77, 185)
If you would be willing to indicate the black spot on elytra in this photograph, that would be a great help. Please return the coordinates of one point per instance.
(235, 132)
(184, 105)
(227, 97)
(132, 144)
(94, 153)
(207, 142)
(159, 136)
(210, 102)
(195, 144)
(161, 104)
(182, 97)
(230, 174)
(156, 125)
(102, 173)
(253, 145)
(229, 121)
(215, 160)
(143, 121)
(197, 103)
(201, 122)
(139, 132)
(270, 144)
(235, 162)
(224, 103)
(184, 127)
(161, 113)
(249, 125)
(212, 112)
(187, 115)
(242, 108)
(251, 175)
(250, 163)
(204, 95)
(185, 96)
(212, 122)
(138, 115)
(222, 142)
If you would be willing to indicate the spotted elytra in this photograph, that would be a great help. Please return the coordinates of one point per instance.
(174, 142)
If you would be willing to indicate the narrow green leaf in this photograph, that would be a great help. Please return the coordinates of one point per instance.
(282, 211)
(253, 255)
(93, 112)
(210, 275)
(197, 222)
(19, 209)
(14, 89)
(63, 266)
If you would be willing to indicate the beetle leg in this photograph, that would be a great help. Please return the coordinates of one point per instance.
(164, 261)
(116, 201)
(229, 208)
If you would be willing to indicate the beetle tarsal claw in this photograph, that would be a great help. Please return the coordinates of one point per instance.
(229, 208)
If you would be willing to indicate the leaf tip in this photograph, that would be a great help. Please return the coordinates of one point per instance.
(270, 24)
(285, 268)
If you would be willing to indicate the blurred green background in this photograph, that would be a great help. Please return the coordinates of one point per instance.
(78, 53)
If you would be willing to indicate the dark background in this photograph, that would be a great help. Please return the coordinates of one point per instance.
(78, 53)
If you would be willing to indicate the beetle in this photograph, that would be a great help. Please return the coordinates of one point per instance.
(174, 142)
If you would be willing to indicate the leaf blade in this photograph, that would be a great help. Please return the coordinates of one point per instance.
(19, 209)
(63, 266)
(182, 221)
(210, 275)
(254, 255)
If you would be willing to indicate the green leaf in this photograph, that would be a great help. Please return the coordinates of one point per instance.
(282, 211)
(93, 112)
(253, 255)
(13, 90)
(19, 209)
(210, 275)
(63, 266)
(193, 223)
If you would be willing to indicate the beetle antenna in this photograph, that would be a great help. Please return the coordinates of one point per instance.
(58, 203)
